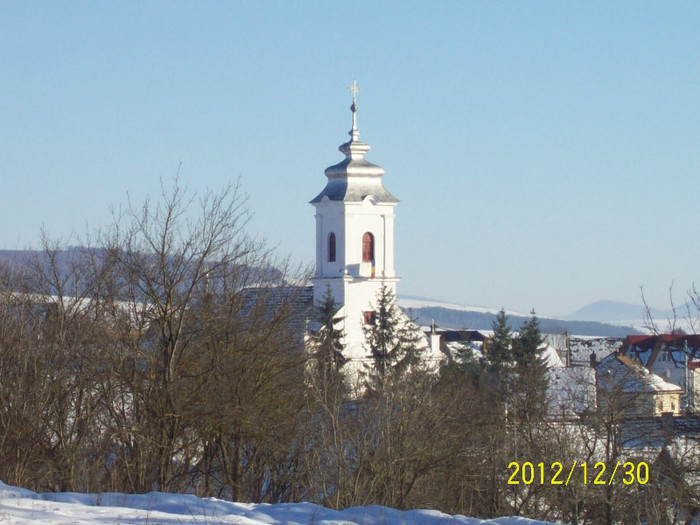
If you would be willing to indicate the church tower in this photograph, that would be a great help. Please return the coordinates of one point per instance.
(354, 237)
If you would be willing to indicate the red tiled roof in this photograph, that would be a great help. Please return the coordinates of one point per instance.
(640, 341)
(648, 341)
(692, 339)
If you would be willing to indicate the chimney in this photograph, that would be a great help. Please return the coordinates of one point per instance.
(434, 338)
(593, 359)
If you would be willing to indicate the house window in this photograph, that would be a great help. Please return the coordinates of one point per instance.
(370, 317)
(661, 406)
(331, 247)
(367, 247)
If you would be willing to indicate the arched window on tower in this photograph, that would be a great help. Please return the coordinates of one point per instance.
(367, 247)
(331, 247)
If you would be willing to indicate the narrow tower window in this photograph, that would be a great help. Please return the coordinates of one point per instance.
(331, 247)
(367, 247)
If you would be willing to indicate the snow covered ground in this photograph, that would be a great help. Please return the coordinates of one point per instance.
(20, 506)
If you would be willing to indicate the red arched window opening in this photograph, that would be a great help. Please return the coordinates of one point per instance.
(367, 247)
(331, 247)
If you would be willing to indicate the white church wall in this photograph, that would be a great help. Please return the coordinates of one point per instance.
(359, 219)
(330, 219)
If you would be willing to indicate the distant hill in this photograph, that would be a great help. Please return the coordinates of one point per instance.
(456, 317)
(607, 311)
(65, 260)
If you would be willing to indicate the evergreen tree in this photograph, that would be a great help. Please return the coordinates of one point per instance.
(499, 353)
(530, 386)
(328, 348)
(392, 340)
(528, 346)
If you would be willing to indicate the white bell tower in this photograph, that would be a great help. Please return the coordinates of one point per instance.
(354, 237)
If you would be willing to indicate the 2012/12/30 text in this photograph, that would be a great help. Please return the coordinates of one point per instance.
(528, 473)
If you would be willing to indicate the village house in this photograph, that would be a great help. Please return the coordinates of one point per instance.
(629, 389)
(674, 357)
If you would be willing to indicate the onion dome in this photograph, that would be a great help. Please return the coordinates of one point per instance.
(354, 178)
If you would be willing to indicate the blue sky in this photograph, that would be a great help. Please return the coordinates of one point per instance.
(546, 154)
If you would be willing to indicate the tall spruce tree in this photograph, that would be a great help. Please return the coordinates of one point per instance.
(528, 346)
(328, 348)
(392, 340)
(530, 387)
(499, 353)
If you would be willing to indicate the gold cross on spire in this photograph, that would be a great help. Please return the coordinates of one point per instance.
(354, 89)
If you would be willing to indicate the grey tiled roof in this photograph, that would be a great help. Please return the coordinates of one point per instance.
(269, 301)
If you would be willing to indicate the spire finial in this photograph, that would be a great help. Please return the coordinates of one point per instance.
(354, 89)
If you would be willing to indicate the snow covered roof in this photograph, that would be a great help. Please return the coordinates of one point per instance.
(571, 390)
(581, 348)
(632, 376)
(551, 357)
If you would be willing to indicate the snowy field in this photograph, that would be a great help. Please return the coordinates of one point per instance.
(20, 506)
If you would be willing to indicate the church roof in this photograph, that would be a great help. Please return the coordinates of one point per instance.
(347, 191)
(354, 178)
(295, 303)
